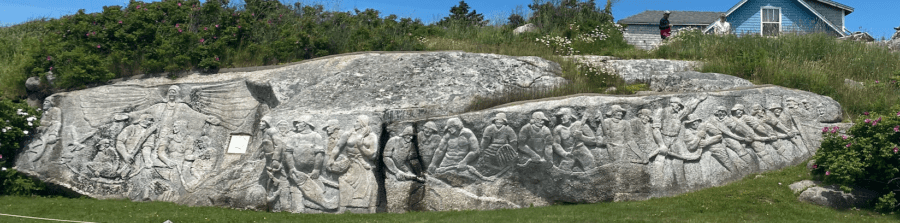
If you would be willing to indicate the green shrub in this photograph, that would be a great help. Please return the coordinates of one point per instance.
(17, 125)
(869, 157)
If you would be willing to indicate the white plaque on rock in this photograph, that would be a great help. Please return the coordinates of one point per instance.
(238, 143)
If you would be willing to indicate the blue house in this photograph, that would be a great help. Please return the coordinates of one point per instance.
(772, 17)
(642, 29)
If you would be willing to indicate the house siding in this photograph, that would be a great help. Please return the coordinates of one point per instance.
(794, 17)
(646, 36)
(831, 13)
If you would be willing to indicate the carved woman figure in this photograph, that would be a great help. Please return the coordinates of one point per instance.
(357, 184)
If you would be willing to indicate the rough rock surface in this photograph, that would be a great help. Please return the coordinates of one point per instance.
(637, 71)
(33, 83)
(385, 132)
(595, 148)
(525, 28)
(301, 138)
(832, 196)
(802, 185)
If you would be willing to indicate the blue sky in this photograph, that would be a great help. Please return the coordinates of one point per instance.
(873, 16)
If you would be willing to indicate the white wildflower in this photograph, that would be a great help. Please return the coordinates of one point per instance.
(3, 168)
(25, 132)
(29, 124)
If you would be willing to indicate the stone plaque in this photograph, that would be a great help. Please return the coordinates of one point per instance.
(238, 143)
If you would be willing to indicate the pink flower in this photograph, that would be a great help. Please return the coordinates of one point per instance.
(876, 81)
(865, 113)
(201, 40)
(874, 123)
(217, 58)
(252, 14)
(895, 149)
(845, 137)
(815, 166)
(878, 120)
(49, 58)
(827, 173)
(848, 145)
(897, 128)
(179, 30)
(179, 4)
(176, 25)
(898, 113)
(98, 46)
(51, 68)
(867, 120)
(215, 37)
(217, 25)
(204, 28)
(138, 7)
(120, 21)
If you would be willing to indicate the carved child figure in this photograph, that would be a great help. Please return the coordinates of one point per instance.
(498, 143)
(536, 139)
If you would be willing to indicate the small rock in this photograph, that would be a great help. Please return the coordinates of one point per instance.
(51, 78)
(33, 83)
(853, 84)
(800, 186)
(525, 28)
(610, 90)
(832, 196)
(758, 176)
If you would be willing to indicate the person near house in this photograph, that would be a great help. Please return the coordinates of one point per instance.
(665, 28)
(722, 27)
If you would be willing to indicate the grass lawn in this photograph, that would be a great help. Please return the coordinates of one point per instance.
(749, 200)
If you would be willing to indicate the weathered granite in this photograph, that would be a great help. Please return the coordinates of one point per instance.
(595, 148)
(832, 196)
(802, 185)
(528, 27)
(637, 71)
(33, 83)
(692, 81)
(301, 138)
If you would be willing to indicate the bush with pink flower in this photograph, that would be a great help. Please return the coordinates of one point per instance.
(868, 157)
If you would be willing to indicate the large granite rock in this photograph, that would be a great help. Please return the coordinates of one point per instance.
(386, 132)
(637, 71)
(301, 138)
(595, 148)
(832, 196)
(525, 28)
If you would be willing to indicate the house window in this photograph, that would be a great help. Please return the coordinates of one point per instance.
(771, 21)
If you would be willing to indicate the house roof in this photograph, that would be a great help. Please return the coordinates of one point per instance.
(676, 18)
(802, 2)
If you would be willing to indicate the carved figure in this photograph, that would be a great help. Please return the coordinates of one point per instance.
(672, 130)
(428, 140)
(48, 132)
(136, 139)
(707, 136)
(569, 141)
(536, 139)
(789, 127)
(820, 112)
(202, 158)
(273, 145)
(457, 149)
(763, 124)
(727, 125)
(333, 130)
(498, 143)
(619, 146)
(106, 163)
(646, 134)
(357, 184)
(398, 152)
(308, 156)
(795, 118)
(173, 154)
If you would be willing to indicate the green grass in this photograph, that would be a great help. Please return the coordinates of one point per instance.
(13, 56)
(748, 200)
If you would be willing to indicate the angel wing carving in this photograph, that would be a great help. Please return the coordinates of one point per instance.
(100, 106)
(231, 102)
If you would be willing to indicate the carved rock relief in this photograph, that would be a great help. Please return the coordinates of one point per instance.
(591, 149)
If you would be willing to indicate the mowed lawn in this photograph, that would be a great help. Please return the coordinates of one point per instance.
(753, 199)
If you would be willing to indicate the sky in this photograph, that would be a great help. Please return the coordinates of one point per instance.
(873, 16)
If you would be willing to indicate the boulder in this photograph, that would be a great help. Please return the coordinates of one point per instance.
(832, 196)
(597, 148)
(859, 36)
(637, 71)
(33, 83)
(692, 81)
(802, 185)
(528, 27)
(300, 138)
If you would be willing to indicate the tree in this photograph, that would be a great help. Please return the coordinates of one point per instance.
(460, 15)
(516, 20)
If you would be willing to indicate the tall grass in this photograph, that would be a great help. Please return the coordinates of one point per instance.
(14, 42)
(818, 63)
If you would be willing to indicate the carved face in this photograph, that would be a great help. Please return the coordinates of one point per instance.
(283, 127)
(777, 111)
(791, 104)
(104, 143)
(263, 125)
(676, 107)
(693, 125)
(821, 110)
(757, 111)
(644, 118)
(407, 138)
(172, 94)
(48, 103)
(301, 127)
(720, 114)
(806, 105)
(454, 129)
(146, 122)
(499, 123)
(737, 113)
(618, 115)
(428, 132)
(537, 122)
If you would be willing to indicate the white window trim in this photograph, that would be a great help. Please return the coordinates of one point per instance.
(780, 19)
